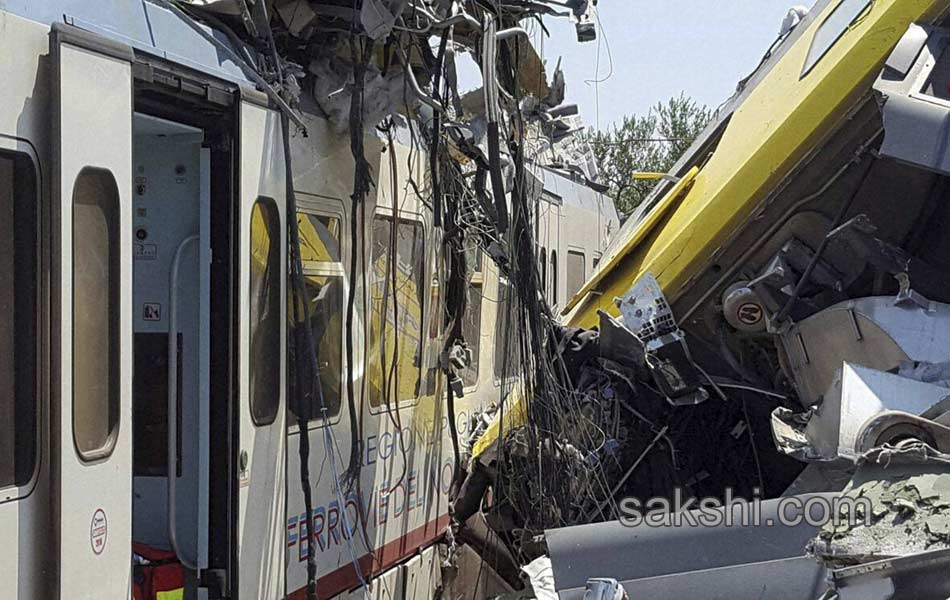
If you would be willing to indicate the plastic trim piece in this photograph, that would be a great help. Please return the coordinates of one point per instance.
(74, 36)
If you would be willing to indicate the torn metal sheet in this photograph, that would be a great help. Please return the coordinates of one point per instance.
(789, 430)
(379, 16)
(604, 589)
(836, 428)
(876, 332)
(383, 95)
(541, 576)
(297, 15)
(647, 314)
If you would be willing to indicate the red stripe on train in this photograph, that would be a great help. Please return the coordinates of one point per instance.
(375, 563)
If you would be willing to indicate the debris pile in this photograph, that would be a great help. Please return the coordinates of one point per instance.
(609, 434)
(907, 486)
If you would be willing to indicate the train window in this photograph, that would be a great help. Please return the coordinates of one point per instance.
(576, 272)
(18, 297)
(324, 294)
(507, 354)
(96, 312)
(842, 18)
(264, 314)
(553, 277)
(319, 238)
(323, 289)
(472, 322)
(543, 261)
(397, 288)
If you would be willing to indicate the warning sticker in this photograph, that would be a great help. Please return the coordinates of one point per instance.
(152, 311)
(98, 531)
(749, 313)
(145, 252)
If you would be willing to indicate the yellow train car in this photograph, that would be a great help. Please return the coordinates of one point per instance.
(739, 180)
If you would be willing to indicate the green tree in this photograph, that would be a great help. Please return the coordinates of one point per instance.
(648, 143)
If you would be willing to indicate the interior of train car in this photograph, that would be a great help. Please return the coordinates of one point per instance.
(184, 230)
(171, 293)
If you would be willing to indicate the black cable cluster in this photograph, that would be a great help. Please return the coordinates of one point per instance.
(476, 205)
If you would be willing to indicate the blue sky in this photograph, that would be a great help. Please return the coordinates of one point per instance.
(661, 48)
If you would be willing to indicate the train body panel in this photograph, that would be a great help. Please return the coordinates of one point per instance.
(196, 233)
(25, 516)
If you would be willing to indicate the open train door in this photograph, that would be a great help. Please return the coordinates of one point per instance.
(262, 427)
(91, 423)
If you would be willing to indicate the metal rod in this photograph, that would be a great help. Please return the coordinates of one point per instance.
(806, 275)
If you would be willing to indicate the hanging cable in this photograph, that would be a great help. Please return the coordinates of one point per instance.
(300, 301)
(361, 187)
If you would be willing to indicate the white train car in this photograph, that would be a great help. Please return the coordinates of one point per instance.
(142, 192)
(575, 226)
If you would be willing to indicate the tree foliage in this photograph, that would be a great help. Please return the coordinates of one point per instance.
(647, 143)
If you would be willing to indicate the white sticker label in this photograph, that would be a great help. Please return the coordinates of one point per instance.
(749, 313)
(152, 311)
(98, 531)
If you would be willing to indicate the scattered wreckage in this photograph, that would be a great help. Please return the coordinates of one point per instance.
(773, 324)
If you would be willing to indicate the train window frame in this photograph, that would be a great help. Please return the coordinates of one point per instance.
(23, 156)
(322, 206)
(500, 281)
(835, 28)
(476, 285)
(114, 400)
(417, 219)
(575, 252)
(266, 419)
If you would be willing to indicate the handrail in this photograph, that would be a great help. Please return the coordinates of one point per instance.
(172, 411)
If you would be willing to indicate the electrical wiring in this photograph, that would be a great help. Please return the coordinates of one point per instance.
(478, 186)
(361, 187)
(248, 69)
